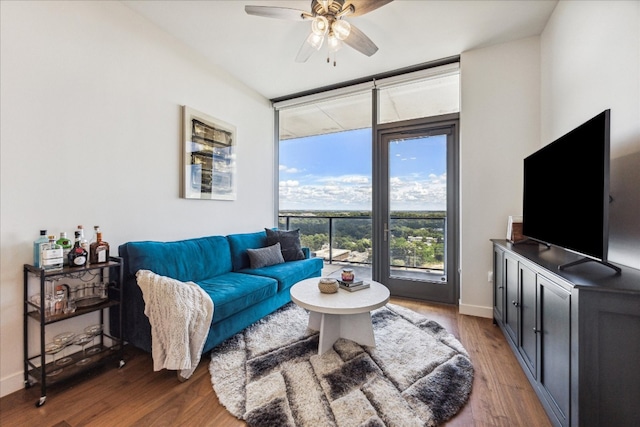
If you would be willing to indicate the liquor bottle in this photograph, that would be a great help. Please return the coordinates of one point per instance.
(66, 246)
(36, 247)
(96, 229)
(83, 241)
(51, 255)
(78, 255)
(99, 250)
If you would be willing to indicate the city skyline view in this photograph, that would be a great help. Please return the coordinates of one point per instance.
(334, 172)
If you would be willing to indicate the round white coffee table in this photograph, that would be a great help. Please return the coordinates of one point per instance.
(340, 315)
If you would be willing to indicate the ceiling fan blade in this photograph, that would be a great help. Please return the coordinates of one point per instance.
(305, 52)
(360, 42)
(364, 6)
(278, 12)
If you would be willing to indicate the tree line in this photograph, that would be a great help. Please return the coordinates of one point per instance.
(416, 238)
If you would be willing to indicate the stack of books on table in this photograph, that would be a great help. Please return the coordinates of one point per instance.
(353, 286)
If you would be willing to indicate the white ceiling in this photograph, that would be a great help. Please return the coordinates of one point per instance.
(261, 51)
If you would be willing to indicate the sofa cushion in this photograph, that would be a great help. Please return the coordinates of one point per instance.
(289, 273)
(265, 257)
(289, 241)
(184, 260)
(233, 292)
(239, 243)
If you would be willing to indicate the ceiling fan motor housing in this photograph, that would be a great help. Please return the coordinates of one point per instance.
(334, 7)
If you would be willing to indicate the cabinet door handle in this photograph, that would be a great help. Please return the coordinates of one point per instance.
(515, 304)
(537, 331)
(500, 287)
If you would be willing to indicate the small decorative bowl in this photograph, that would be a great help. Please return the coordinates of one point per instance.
(328, 286)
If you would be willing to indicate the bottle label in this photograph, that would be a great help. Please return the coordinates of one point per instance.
(51, 261)
(51, 254)
(101, 254)
(79, 260)
(65, 243)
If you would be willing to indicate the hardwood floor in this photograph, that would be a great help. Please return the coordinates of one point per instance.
(137, 396)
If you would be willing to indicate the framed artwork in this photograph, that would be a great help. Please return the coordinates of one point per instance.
(209, 157)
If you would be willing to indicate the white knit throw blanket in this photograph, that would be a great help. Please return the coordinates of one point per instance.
(180, 314)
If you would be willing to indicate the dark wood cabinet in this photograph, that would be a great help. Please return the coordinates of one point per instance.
(499, 294)
(527, 305)
(512, 317)
(575, 332)
(555, 351)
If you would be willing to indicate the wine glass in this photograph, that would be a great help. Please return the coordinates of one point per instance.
(53, 348)
(82, 340)
(64, 339)
(94, 331)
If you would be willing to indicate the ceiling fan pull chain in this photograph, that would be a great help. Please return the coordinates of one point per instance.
(334, 57)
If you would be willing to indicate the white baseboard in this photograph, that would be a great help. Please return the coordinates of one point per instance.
(11, 383)
(475, 310)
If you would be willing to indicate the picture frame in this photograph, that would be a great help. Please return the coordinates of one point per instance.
(209, 157)
(514, 229)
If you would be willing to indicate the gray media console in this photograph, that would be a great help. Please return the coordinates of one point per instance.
(575, 332)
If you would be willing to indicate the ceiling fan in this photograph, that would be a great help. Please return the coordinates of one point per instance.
(327, 21)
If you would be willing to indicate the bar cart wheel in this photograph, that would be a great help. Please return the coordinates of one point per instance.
(41, 401)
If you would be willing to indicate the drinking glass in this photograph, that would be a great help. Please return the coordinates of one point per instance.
(70, 307)
(53, 348)
(58, 297)
(82, 340)
(94, 331)
(64, 339)
(48, 297)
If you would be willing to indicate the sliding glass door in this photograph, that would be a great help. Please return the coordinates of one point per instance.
(415, 218)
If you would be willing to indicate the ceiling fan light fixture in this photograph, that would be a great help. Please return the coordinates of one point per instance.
(320, 25)
(341, 29)
(315, 40)
(335, 44)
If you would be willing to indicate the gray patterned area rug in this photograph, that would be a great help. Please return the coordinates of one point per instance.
(271, 375)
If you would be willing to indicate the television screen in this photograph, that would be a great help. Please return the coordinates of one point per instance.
(566, 190)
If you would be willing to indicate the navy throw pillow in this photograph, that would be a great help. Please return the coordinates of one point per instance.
(289, 243)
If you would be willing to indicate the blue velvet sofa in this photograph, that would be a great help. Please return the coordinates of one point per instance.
(218, 264)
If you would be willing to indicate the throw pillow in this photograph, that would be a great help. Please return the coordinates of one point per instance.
(265, 257)
(289, 241)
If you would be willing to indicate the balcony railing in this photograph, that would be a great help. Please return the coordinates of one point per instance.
(417, 242)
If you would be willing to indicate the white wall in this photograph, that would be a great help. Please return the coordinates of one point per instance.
(590, 62)
(499, 126)
(90, 134)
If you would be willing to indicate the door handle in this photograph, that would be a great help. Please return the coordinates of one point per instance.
(386, 231)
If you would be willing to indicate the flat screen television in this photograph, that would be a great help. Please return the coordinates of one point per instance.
(566, 192)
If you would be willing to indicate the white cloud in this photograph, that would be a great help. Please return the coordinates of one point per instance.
(354, 192)
(354, 179)
(284, 168)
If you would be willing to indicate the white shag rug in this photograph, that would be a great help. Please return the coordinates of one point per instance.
(271, 375)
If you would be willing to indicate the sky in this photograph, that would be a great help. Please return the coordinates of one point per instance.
(333, 172)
